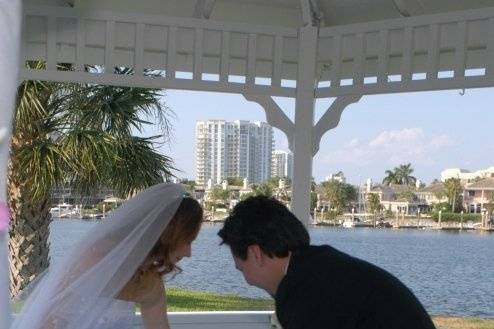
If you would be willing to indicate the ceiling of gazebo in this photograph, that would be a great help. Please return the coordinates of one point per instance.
(281, 12)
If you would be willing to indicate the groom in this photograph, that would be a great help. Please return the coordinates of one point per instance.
(314, 287)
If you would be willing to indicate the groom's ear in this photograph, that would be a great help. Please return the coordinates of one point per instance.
(257, 254)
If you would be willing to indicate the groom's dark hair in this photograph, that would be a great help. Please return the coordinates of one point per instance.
(266, 222)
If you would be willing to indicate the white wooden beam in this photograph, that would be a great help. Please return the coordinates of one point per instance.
(274, 114)
(147, 82)
(225, 56)
(51, 44)
(171, 53)
(304, 121)
(80, 45)
(331, 118)
(433, 52)
(109, 47)
(139, 50)
(277, 61)
(461, 50)
(406, 65)
(251, 60)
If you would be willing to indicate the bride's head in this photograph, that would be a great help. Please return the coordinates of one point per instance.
(175, 242)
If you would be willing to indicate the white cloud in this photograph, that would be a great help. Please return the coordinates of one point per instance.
(392, 147)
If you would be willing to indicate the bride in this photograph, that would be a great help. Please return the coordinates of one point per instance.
(118, 264)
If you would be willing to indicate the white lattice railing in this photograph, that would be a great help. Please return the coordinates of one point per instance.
(190, 53)
(218, 320)
(453, 50)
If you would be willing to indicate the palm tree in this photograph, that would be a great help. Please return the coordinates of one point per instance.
(400, 175)
(82, 135)
(374, 202)
(404, 174)
(452, 188)
(390, 178)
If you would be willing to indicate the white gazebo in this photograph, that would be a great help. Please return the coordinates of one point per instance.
(303, 49)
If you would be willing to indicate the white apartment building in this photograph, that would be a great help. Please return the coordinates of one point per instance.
(339, 177)
(465, 175)
(233, 149)
(282, 164)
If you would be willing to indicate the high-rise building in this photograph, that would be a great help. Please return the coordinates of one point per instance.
(282, 164)
(233, 149)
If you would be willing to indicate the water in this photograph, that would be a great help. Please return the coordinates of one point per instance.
(451, 273)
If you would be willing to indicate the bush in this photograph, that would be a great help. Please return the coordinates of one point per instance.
(455, 217)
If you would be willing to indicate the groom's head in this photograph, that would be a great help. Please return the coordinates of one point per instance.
(261, 232)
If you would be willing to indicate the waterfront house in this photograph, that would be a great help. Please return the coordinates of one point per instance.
(479, 195)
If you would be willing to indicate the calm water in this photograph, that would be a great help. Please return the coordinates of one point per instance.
(451, 273)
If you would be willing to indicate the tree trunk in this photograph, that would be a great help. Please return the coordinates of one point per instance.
(28, 235)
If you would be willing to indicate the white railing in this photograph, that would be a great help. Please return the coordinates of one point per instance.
(190, 53)
(454, 50)
(217, 320)
(443, 51)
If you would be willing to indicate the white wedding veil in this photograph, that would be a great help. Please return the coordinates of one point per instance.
(80, 291)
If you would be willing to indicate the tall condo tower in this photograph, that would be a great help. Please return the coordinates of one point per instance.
(233, 149)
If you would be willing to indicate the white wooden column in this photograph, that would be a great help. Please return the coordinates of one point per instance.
(304, 121)
(10, 27)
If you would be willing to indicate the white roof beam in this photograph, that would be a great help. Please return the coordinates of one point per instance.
(204, 8)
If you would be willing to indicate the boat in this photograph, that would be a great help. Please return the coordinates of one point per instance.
(355, 222)
(62, 210)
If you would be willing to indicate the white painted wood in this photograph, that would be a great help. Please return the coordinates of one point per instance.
(80, 44)
(460, 51)
(433, 53)
(336, 62)
(216, 320)
(281, 62)
(251, 59)
(192, 23)
(331, 118)
(360, 60)
(225, 56)
(406, 69)
(382, 66)
(274, 114)
(199, 34)
(10, 41)
(413, 86)
(304, 120)
(139, 50)
(51, 44)
(109, 47)
(171, 53)
(277, 61)
(146, 82)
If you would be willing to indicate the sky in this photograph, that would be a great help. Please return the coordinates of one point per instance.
(431, 130)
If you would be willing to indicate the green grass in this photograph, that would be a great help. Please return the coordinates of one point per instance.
(182, 300)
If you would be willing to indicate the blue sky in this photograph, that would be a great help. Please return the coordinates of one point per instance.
(431, 130)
